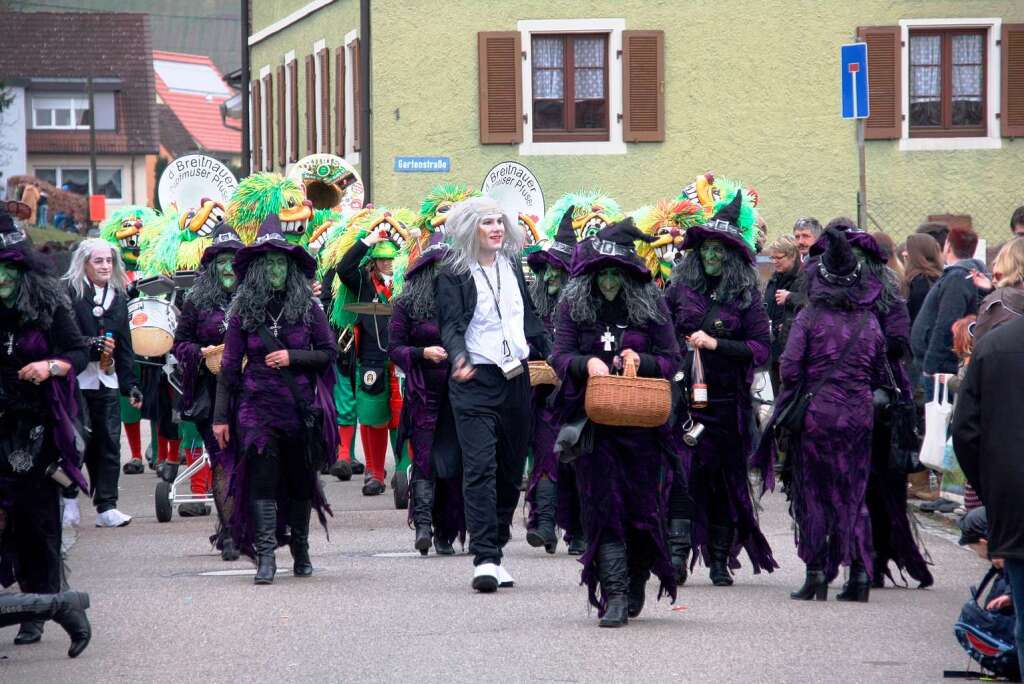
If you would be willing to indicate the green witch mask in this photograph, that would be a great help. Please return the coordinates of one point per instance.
(278, 270)
(10, 277)
(712, 255)
(225, 269)
(609, 282)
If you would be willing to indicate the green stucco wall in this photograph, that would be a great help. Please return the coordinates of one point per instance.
(751, 93)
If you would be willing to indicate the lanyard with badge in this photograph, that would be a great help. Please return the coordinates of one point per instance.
(507, 366)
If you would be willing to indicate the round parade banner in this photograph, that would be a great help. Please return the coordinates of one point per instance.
(330, 182)
(516, 189)
(188, 180)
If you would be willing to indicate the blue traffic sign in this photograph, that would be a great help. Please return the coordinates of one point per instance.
(853, 76)
(423, 164)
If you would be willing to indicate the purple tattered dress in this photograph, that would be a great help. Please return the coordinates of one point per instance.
(717, 466)
(262, 408)
(624, 481)
(427, 421)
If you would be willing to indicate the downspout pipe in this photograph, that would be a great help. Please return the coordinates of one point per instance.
(365, 157)
(246, 150)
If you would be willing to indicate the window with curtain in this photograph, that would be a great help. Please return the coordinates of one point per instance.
(570, 87)
(947, 83)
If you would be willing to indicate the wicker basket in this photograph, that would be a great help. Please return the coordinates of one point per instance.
(628, 401)
(542, 374)
(213, 358)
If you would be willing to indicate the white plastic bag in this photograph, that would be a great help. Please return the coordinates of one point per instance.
(937, 413)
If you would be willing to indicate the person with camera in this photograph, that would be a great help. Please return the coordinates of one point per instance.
(97, 284)
(41, 350)
(275, 412)
(611, 316)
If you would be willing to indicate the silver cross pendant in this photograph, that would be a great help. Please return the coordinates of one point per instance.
(608, 339)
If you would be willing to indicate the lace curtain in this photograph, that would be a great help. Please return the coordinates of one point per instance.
(548, 68)
(925, 79)
(588, 56)
(967, 68)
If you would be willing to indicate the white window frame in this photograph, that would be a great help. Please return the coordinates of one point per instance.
(288, 114)
(59, 171)
(318, 96)
(73, 102)
(614, 29)
(351, 156)
(268, 150)
(993, 90)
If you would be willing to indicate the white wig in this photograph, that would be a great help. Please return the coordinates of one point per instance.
(76, 277)
(461, 229)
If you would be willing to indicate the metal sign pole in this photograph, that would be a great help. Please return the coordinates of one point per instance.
(862, 194)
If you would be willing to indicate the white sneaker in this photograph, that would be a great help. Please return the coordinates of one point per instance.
(72, 516)
(485, 578)
(505, 580)
(112, 518)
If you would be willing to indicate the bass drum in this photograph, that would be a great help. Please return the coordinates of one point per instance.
(152, 323)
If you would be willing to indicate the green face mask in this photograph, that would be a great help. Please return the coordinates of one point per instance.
(553, 278)
(712, 254)
(225, 269)
(859, 253)
(10, 277)
(278, 270)
(609, 281)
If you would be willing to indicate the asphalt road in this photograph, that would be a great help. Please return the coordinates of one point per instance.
(165, 608)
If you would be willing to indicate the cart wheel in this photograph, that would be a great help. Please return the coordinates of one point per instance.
(164, 510)
(400, 489)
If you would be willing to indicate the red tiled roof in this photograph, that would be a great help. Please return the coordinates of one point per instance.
(76, 45)
(199, 113)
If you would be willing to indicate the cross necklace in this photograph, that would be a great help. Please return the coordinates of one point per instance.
(609, 339)
(274, 327)
(10, 344)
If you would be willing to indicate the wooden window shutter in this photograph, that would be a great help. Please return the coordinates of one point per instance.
(357, 94)
(885, 70)
(339, 101)
(293, 105)
(643, 86)
(324, 56)
(282, 136)
(501, 87)
(256, 124)
(268, 116)
(1012, 114)
(310, 105)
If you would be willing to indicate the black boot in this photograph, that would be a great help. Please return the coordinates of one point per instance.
(30, 632)
(265, 518)
(341, 469)
(357, 467)
(66, 609)
(298, 522)
(858, 587)
(881, 567)
(815, 586)
(719, 545)
(679, 547)
(545, 499)
(577, 545)
(228, 550)
(639, 573)
(442, 547)
(423, 513)
(613, 574)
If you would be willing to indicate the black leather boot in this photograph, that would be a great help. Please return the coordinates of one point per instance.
(545, 499)
(30, 632)
(265, 519)
(66, 609)
(423, 513)
(228, 550)
(881, 567)
(815, 586)
(577, 545)
(719, 544)
(298, 522)
(858, 587)
(442, 547)
(613, 573)
(639, 573)
(679, 548)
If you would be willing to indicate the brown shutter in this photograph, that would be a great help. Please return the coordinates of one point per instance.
(268, 117)
(310, 105)
(643, 86)
(1012, 114)
(325, 99)
(501, 87)
(357, 94)
(293, 105)
(256, 124)
(884, 72)
(282, 135)
(339, 101)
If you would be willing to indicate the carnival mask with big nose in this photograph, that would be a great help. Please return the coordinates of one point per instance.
(712, 254)
(278, 264)
(10, 277)
(225, 269)
(553, 278)
(609, 282)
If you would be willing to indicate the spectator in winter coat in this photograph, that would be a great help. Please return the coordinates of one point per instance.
(924, 266)
(780, 298)
(1007, 301)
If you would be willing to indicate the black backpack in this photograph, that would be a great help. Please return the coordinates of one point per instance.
(988, 637)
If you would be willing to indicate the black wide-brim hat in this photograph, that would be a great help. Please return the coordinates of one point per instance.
(724, 227)
(435, 250)
(271, 239)
(225, 240)
(555, 254)
(858, 238)
(614, 246)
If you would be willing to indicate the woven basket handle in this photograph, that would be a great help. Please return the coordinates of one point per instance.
(629, 368)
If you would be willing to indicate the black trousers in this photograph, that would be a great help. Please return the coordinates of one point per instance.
(273, 471)
(103, 450)
(34, 530)
(494, 422)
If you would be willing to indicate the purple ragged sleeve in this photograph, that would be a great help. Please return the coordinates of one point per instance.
(186, 351)
(60, 393)
(757, 331)
(322, 339)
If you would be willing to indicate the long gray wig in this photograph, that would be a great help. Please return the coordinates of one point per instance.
(584, 300)
(418, 294)
(890, 283)
(737, 283)
(206, 291)
(544, 303)
(461, 229)
(254, 293)
(76, 277)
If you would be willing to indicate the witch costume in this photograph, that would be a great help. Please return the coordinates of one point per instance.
(435, 487)
(623, 473)
(202, 323)
(551, 493)
(726, 305)
(836, 352)
(39, 421)
(266, 408)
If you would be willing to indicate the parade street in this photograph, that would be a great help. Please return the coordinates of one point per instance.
(165, 608)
